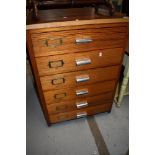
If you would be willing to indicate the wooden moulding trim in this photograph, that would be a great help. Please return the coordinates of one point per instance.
(75, 23)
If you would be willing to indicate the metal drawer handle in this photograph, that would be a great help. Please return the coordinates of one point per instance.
(82, 78)
(83, 61)
(81, 104)
(81, 114)
(59, 96)
(83, 40)
(58, 81)
(55, 64)
(54, 42)
(81, 92)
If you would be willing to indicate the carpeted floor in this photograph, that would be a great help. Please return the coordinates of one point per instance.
(102, 134)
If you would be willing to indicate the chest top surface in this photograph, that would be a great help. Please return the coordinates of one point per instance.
(71, 17)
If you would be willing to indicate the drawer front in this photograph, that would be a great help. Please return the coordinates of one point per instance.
(52, 43)
(79, 78)
(78, 61)
(80, 103)
(80, 113)
(51, 97)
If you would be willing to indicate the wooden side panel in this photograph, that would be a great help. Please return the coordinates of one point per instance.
(36, 77)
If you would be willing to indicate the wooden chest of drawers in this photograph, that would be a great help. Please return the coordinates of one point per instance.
(76, 68)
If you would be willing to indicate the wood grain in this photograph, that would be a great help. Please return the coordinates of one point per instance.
(67, 80)
(52, 43)
(75, 23)
(73, 114)
(98, 58)
(53, 54)
(71, 104)
(63, 94)
(36, 77)
(77, 27)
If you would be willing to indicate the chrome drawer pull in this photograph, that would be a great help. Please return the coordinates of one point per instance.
(81, 114)
(81, 104)
(83, 40)
(81, 92)
(83, 61)
(82, 78)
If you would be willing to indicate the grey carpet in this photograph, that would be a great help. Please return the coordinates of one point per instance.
(74, 137)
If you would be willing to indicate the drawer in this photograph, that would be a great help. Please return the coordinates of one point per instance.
(80, 113)
(51, 97)
(78, 61)
(79, 78)
(80, 103)
(60, 42)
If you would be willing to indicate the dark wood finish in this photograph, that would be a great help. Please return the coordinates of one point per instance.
(98, 58)
(38, 14)
(72, 14)
(66, 80)
(55, 4)
(59, 4)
